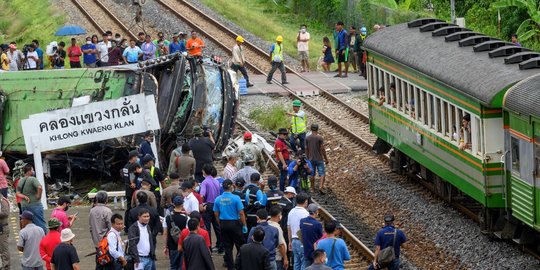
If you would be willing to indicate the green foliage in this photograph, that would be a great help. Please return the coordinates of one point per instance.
(529, 28)
(23, 20)
(270, 119)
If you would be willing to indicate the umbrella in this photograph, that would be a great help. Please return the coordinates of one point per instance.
(70, 30)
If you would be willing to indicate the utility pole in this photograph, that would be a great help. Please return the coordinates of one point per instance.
(453, 11)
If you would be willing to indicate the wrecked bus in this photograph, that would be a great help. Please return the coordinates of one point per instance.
(188, 92)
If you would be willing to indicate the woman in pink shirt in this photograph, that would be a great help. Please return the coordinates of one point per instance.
(60, 212)
(4, 169)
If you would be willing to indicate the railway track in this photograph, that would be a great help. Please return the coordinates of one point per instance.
(102, 17)
(354, 236)
(221, 35)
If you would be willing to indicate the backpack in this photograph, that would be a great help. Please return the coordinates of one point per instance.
(103, 256)
(387, 255)
(174, 231)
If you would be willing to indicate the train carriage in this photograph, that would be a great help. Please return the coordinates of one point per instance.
(522, 139)
(436, 95)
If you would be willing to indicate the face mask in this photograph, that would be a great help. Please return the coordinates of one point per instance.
(197, 189)
(118, 40)
(138, 160)
(326, 261)
(89, 42)
(303, 30)
(125, 44)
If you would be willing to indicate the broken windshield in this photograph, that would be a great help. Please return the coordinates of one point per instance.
(214, 98)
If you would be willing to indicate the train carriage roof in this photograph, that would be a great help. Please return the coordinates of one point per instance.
(474, 74)
(524, 97)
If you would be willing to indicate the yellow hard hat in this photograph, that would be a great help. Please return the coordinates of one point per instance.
(279, 38)
(240, 39)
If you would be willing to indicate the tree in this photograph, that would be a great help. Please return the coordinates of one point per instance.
(530, 27)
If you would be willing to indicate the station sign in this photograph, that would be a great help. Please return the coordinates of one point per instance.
(96, 121)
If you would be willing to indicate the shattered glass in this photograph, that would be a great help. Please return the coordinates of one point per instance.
(214, 96)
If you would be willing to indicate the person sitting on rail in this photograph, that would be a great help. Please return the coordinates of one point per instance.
(465, 133)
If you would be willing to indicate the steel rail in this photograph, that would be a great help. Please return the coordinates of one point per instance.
(326, 215)
(256, 49)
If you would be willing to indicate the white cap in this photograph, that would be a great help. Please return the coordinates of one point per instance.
(66, 235)
(290, 190)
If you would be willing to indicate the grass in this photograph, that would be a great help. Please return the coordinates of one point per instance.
(23, 21)
(267, 21)
(270, 119)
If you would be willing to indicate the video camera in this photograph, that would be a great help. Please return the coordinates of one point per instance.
(26, 48)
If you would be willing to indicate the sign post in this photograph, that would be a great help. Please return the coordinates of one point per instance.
(88, 123)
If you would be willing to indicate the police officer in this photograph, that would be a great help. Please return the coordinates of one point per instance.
(249, 148)
(157, 177)
(239, 190)
(273, 195)
(254, 200)
(298, 126)
(287, 204)
(127, 176)
(229, 211)
(386, 237)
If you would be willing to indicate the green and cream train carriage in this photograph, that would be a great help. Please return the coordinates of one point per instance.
(442, 75)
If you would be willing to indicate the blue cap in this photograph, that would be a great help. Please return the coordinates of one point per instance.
(178, 200)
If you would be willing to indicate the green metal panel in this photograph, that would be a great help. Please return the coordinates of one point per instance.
(433, 155)
(522, 201)
(38, 91)
(520, 124)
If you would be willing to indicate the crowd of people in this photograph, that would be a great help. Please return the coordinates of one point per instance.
(96, 52)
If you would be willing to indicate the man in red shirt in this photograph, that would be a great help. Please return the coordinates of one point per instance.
(50, 241)
(74, 53)
(282, 155)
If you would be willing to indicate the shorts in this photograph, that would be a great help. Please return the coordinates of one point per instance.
(318, 166)
(340, 56)
(304, 55)
(75, 64)
(351, 59)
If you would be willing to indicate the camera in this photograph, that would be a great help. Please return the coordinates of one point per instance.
(206, 131)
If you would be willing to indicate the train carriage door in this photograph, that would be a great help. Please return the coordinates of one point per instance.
(536, 179)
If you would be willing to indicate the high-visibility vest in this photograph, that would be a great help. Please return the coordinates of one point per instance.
(278, 51)
(298, 124)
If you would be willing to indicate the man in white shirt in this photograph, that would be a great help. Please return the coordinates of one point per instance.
(302, 43)
(239, 60)
(190, 201)
(15, 57)
(32, 58)
(141, 245)
(293, 226)
(115, 241)
(103, 49)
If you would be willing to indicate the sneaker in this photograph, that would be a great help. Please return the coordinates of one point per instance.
(344, 76)
(221, 251)
(336, 76)
(249, 85)
(215, 249)
(268, 82)
(285, 83)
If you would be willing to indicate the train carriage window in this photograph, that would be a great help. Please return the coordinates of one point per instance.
(452, 123)
(411, 101)
(405, 96)
(514, 147)
(424, 107)
(399, 94)
(444, 119)
(430, 112)
(418, 111)
(386, 86)
(392, 91)
(478, 131)
(537, 159)
(437, 108)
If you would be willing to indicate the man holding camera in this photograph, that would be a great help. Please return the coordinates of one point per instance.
(299, 172)
(32, 57)
(202, 146)
(60, 56)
